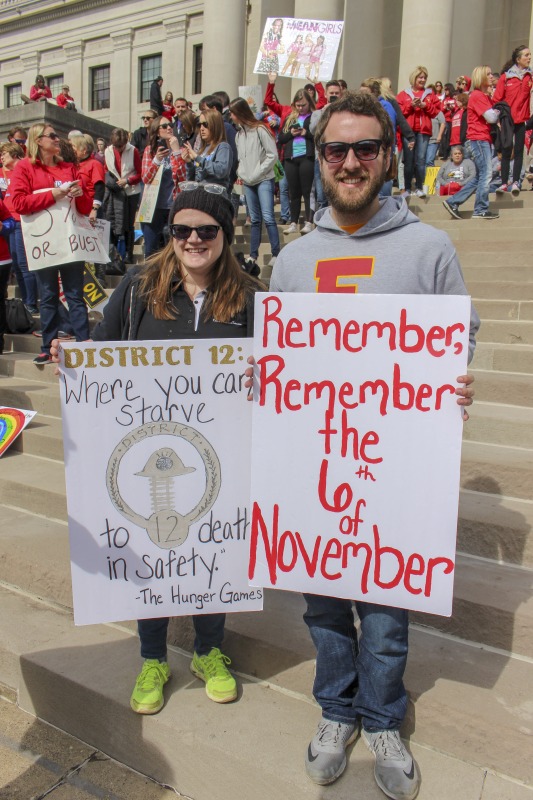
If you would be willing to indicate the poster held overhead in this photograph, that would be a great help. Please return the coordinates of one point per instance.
(299, 48)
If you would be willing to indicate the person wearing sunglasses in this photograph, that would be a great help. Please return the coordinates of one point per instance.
(43, 168)
(192, 289)
(161, 157)
(213, 160)
(364, 244)
(139, 137)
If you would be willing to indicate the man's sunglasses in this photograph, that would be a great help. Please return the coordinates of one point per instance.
(365, 150)
(165, 125)
(204, 125)
(147, 118)
(207, 233)
(52, 136)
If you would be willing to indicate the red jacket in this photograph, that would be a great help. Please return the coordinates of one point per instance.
(63, 99)
(515, 91)
(26, 178)
(36, 93)
(177, 165)
(419, 119)
(5, 255)
(93, 171)
(284, 111)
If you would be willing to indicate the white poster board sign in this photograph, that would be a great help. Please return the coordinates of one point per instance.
(149, 198)
(157, 458)
(60, 235)
(103, 228)
(299, 48)
(253, 96)
(357, 445)
(12, 423)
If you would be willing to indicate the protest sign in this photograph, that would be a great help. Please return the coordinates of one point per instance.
(157, 459)
(149, 198)
(356, 417)
(299, 48)
(103, 228)
(12, 423)
(60, 235)
(94, 294)
(253, 96)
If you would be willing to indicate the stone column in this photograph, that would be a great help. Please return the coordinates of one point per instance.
(122, 85)
(468, 35)
(223, 45)
(425, 39)
(362, 42)
(30, 70)
(174, 55)
(74, 74)
(319, 9)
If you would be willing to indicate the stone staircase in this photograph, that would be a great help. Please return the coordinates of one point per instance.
(470, 719)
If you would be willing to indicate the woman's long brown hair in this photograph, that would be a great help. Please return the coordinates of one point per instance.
(216, 129)
(226, 295)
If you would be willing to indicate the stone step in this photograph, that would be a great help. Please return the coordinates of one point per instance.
(31, 395)
(34, 483)
(504, 309)
(503, 357)
(494, 526)
(511, 388)
(506, 332)
(494, 423)
(20, 364)
(497, 469)
(60, 670)
(487, 289)
(506, 274)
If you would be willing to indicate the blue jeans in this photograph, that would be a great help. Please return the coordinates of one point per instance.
(72, 280)
(415, 161)
(260, 204)
(431, 152)
(285, 210)
(208, 628)
(153, 231)
(362, 678)
(321, 201)
(26, 279)
(481, 155)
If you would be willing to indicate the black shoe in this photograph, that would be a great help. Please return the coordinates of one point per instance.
(42, 359)
(486, 215)
(33, 310)
(452, 208)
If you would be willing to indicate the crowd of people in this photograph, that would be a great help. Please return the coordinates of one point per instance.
(336, 154)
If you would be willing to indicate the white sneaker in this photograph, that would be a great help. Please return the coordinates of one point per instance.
(293, 228)
(307, 228)
(272, 261)
(515, 190)
(395, 771)
(420, 193)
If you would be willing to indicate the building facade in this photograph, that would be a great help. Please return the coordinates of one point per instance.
(109, 51)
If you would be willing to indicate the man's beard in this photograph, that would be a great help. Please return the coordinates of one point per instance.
(363, 199)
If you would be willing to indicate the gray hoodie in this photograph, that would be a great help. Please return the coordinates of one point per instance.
(408, 257)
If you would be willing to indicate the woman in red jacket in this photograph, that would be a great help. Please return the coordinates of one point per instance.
(44, 169)
(514, 88)
(419, 105)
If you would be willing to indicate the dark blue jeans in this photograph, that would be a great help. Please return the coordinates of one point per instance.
(209, 630)
(72, 280)
(481, 154)
(359, 678)
(27, 280)
(415, 161)
(260, 204)
(153, 231)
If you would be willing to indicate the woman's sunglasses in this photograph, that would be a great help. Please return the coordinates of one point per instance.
(365, 150)
(165, 125)
(204, 125)
(52, 136)
(207, 233)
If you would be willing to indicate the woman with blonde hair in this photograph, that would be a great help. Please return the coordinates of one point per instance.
(213, 160)
(481, 115)
(43, 168)
(419, 105)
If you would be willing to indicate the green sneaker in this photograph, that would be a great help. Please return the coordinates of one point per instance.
(220, 685)
(147, 696)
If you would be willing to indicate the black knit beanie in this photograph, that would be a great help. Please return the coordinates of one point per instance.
(216, 205)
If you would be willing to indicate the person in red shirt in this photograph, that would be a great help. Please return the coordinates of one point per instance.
(93, 172)
(514, 87)
(5, 267)
(44, 169)
(456, 128)
(481, 115)
(419, 105)
(40, 91)
(64, 100)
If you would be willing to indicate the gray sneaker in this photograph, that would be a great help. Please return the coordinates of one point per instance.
(325, 759)
(395, 771)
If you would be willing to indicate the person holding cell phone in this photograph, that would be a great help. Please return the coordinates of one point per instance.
(161, 156)
(213, 159)
(43, 168)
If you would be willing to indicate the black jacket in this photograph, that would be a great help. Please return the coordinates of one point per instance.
(156, 98)
(285, 139)
(503, 132)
